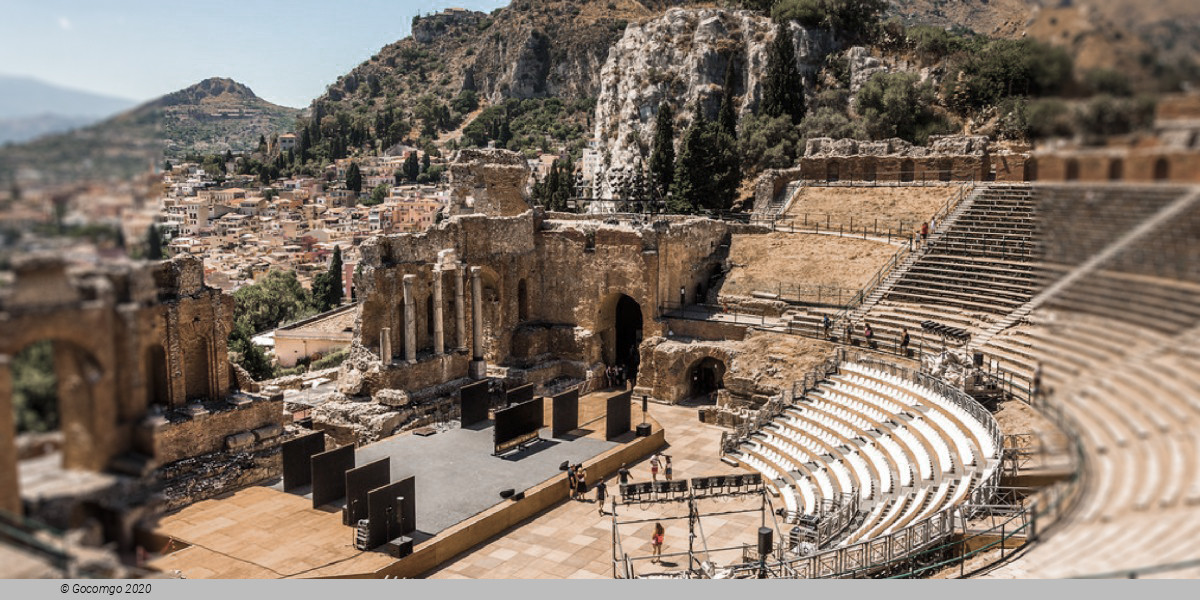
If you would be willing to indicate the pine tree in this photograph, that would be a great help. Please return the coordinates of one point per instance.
(154, 249)
(662, 154)
(783, 91)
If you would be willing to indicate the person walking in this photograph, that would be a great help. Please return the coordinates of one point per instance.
(682, 296)
(826, 324)
(656, 542)
(623, 474)
(601, 493)
(904, 341)
(667, 468)
(924, 231)
(655, 463)
(868, 333)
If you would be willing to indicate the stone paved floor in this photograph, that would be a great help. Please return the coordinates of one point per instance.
(573, 541)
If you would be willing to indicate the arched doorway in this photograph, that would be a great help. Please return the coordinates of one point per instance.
(833, 171)
(55, 386)
(620, 326)
(1031, 170)
(522, 302)
(157, 385)
(1072, 170)
(1162, 170)
(869, 170)
(945, 170)
(705, 377)
(907, 167)
(1116, 170)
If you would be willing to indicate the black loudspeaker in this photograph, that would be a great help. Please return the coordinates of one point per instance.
(645, 404)
(400, 547)
(764, 541)
(518, 496)
(564, 466)
(506, 494)
(979, 359)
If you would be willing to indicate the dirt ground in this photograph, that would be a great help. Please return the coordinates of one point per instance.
(764, 261)
(895, 208)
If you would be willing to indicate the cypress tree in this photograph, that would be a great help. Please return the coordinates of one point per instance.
(412, 168)
(353, 178)
(335, 274)
(688, 185)
(727, 118)
(153, 243)
(662, 155)
(783, 91)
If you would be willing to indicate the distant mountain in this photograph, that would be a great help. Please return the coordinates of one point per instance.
(214, 115)
(30, 108)
(22, 97)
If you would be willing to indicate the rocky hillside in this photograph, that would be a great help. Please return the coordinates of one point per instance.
(682, 58)
(1149, 40)
(212, 116)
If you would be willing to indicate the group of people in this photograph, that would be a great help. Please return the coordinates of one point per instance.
(657, 462)
(617, 376)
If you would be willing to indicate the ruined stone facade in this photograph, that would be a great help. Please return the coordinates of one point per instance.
(488, 182)
(540, 296)
(139, 354)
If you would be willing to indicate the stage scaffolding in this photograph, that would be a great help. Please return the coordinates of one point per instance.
(701, 558)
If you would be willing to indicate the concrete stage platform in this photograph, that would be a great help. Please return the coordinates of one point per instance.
(262, 531)
(457, 475)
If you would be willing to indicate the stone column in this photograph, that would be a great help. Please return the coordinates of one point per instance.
(410, 320)
(478, 366)
(439, 334)
(10, 494)
(460, 313)
(385, 345)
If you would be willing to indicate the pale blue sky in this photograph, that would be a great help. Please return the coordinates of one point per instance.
(287, 51)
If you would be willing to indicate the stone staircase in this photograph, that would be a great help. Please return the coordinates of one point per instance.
(905, 265)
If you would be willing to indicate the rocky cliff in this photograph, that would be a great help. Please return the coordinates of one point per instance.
(681, 57)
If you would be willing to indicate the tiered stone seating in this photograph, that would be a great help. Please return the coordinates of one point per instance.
(906, 451)
(1115, 347)
(984, 262)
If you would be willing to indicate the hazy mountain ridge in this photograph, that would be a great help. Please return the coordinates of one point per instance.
(213, 115)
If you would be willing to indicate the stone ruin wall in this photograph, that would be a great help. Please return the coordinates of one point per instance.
(140, 359)
(488, 181)
(572, 271)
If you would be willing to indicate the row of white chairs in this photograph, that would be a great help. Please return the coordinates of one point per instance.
(914, 395)
(856, 476)
(855, 397)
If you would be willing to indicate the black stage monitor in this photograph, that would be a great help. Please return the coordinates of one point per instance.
(518, 424)
(617, 417)
(297, 459)
(329, 474)
(361, 480)
(566, 413)
(392, 510)
(474, 402)
(519, 394)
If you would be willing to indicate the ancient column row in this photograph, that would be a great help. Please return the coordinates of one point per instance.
(409, 325)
